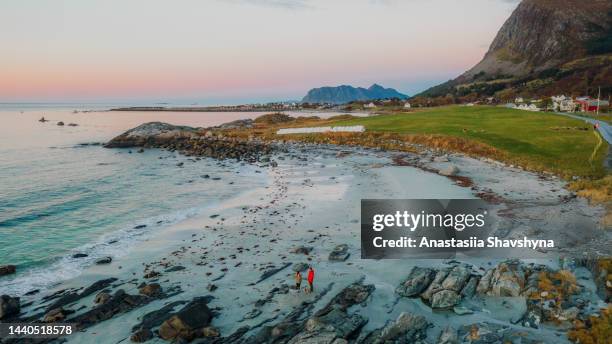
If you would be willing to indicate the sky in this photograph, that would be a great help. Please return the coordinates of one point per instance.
(235, 51)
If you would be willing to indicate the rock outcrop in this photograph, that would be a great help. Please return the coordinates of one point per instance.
(191, 142)
(188, 323)
(153, 134)
(7, 269)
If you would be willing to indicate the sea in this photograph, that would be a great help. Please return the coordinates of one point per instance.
(62, 193)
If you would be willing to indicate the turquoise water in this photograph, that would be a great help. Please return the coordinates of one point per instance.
(61, 193)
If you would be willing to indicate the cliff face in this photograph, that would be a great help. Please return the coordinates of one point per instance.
(542, 34)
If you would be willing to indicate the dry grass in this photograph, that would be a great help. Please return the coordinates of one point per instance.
(597, 330)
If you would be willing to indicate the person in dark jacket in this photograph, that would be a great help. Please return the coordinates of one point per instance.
(298, 280)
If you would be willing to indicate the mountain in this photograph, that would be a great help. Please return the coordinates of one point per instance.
(545, 47)
(346, 94)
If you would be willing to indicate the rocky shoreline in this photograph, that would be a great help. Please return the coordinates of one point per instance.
(228, 281)
(191, 142)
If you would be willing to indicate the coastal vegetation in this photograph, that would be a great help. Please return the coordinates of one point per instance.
(534, 141)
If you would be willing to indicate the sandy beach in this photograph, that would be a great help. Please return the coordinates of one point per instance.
(242, 251)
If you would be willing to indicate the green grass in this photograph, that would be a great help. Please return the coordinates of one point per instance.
(537, 141)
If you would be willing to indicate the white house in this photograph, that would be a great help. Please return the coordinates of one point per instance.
(519, 100)
(530, 107)
(407, 106)
(369, 106)
(563, 103)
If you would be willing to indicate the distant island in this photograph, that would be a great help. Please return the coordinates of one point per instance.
(346, 94)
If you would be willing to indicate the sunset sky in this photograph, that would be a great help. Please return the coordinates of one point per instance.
(233, 51)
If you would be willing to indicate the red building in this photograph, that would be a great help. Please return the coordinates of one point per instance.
(592, 105)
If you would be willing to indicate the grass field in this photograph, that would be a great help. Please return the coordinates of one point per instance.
(533, 140)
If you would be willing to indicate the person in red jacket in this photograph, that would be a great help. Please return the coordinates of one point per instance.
(310, 279)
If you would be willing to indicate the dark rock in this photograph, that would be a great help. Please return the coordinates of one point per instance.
(339, 253)
(57, 315)
(271, 272)
(142, 335)
(301, 250)
(74, 296)
(80, 255)
(104, 260)
(9, 306)
(102, 297)
(120, 302)
(151, 274)
(150, 290)
(157, 317)
(189, 322)
(7, 269)
(60, 123)
(175, 268)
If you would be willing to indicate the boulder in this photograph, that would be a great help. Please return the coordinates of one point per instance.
(80, 255)
(407, 326)
(456, 278)
(450, 171)
(508, 279)
(7, 269)
(338, 321)
(444, 299)
(339, 253)
(299, 267)
(436, 284)
(301, 250)
(57, 315)
(151, 274)
(151, 290)
(60, 123)
(104, 260)
(210, 332)
(152, 133)
(416, 282)
(189, 322)
(102, 297)
(9, 306)
(469, 289)
(142, 335)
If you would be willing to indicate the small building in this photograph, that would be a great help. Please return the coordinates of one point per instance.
(369, 106)
(407, 106)
(588, 104)
(563, 103)
(530, 107)
(519, 100)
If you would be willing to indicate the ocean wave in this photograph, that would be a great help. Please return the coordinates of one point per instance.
(115, 244)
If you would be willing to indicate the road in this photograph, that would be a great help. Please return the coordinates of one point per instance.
(605, 129)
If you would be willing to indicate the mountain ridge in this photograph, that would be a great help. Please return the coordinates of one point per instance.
(543, 41)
